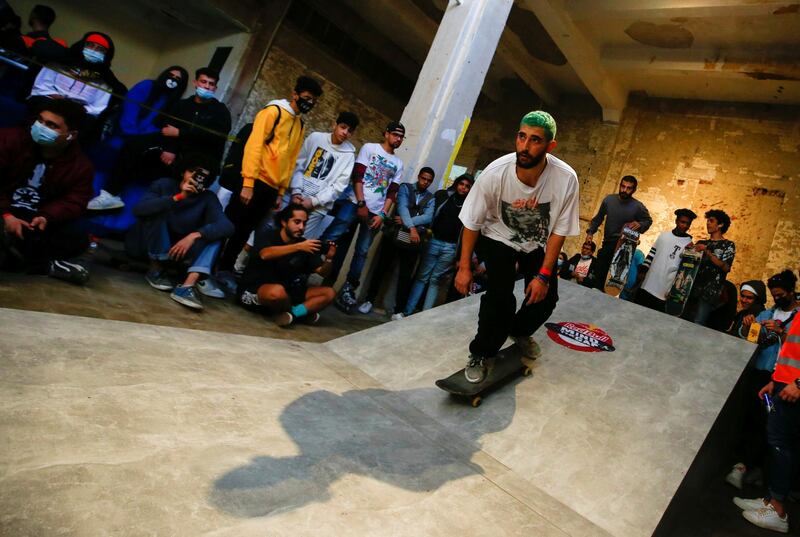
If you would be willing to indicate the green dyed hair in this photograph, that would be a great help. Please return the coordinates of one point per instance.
(540, 118)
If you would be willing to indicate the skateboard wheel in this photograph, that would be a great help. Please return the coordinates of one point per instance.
(476, 402)
(527, 372)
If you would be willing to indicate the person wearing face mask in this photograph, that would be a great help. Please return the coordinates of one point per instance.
(578, 266)
(198, 124)
(146, 99)
(269, 158)
(84, 76)
(618, 210)
(45, 183)
(775, 324)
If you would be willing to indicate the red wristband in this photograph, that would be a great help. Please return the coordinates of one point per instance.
(545, 272)
(179, 196)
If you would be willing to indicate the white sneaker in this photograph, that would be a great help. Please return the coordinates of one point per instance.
(736, 476)
(210, 288)
(749, 505)
(365, 307)
(105, 202)
(398, 316)
(241, 260)
(767, 518)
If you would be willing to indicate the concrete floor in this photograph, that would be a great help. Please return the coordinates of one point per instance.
(150, 428)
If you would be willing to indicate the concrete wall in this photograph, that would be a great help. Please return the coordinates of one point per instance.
(280, 71)
(142, 51)
(744, 159)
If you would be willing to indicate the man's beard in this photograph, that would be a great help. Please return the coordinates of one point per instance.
(624, 195)
(533, 162)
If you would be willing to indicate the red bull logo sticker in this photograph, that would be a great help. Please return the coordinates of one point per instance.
(580, 337)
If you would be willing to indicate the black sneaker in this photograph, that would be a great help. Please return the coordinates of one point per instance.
(159, 280)
(68, 271)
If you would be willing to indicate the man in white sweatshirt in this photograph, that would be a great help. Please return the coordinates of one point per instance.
(323, 171)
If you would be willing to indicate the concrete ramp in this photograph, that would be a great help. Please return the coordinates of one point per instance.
(608, 435)
(115, 428)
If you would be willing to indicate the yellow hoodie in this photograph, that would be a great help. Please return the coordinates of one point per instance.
(273, 163)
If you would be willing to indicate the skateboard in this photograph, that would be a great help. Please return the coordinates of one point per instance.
(678, 295)
(621, 262)
(508, 363)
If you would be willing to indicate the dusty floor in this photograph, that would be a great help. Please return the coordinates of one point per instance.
(125, 296)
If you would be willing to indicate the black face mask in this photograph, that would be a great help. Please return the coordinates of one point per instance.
(304, 105)
(784, 301)
(172, 83)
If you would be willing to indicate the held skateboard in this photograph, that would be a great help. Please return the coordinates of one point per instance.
(684, 280)
(508, 363)
(621, 262)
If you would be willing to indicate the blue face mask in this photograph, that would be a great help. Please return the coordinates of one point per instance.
(43, 135)
(93, 56)
(204, 94)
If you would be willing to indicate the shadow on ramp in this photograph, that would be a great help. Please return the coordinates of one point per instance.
(354, 433)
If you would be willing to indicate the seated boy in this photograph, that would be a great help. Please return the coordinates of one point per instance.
(276, 277)
(181, 221)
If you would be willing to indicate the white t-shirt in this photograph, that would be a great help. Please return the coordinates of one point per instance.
(382, 170)
(505, 209)
(582, 268)
(666, 259)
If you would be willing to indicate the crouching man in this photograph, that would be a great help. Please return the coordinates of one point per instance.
(276, 277)
(181, 222)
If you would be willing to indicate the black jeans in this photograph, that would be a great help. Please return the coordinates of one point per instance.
(599, 273)
(643, 298)
(497, 319)
(59, 240)
(406, 260)
(245, 219)
(139, 158)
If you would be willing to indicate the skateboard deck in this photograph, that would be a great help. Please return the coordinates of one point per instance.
(621, 262)
(678, 295)
(508, 363)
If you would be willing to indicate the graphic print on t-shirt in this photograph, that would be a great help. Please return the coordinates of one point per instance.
(379, 174)
(528, 220)
(27, 197)
(318, 168)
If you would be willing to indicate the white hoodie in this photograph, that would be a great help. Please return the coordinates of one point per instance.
(323, 170)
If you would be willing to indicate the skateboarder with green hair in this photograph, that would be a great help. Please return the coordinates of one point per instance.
(517, 216)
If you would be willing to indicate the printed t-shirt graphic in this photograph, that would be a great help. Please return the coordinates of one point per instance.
(317, 170)
(382, 169)
(520, 216)
(27, 196)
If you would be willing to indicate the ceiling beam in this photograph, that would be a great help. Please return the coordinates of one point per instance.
(582, 10)
(582, 56)
(760, 67)
(514, 57)
(408, 26)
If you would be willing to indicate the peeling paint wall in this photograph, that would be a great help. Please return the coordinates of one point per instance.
(743, 159)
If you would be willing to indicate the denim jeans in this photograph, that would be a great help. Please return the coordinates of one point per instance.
(436, 262)
(345, 218)
(201, 255)
(783, 432)
(703, 312)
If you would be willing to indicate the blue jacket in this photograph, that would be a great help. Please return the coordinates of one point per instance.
(767, 354)
(407, 202)
(202, 213)
(130, 123)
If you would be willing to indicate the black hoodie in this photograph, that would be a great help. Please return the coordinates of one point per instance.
(755, 308)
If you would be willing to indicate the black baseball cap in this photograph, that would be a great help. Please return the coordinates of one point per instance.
(396, 127)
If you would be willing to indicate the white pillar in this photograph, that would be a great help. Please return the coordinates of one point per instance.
(450, 82)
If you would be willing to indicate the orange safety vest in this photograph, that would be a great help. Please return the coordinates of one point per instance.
(788, 366)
